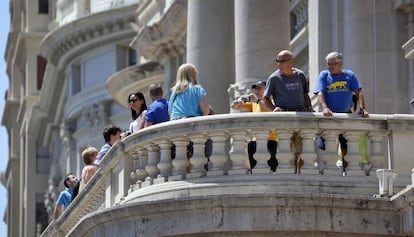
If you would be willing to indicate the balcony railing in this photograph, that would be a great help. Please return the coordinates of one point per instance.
(144, 160)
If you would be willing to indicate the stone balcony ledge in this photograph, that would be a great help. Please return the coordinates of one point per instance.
(139, 173)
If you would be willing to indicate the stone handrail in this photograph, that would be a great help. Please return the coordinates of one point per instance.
(144, 159)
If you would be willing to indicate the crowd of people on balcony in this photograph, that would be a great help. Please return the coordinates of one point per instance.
(286, 89)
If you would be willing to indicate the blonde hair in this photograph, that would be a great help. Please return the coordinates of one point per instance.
(186, 77)
(88, 154)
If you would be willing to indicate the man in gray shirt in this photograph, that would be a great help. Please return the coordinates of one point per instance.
(287, 86)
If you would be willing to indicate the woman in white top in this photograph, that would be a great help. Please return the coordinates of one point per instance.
(138, 107)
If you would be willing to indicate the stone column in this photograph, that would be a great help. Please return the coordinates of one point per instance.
(32, 184)
(358, 52)
(210, 47)
(373, 33)
(261, 30)
(321, 32)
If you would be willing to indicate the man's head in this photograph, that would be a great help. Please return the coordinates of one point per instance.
(111, 134)
(334, 62)
(284, 60)
(259, 89)
(155, 91)
(70, 180)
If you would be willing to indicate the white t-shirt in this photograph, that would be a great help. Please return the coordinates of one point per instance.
(134, 125)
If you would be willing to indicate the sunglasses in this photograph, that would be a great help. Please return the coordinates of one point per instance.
(282, 60)
(133, 100)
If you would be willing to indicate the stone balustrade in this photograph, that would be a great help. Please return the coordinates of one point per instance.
(157, 156)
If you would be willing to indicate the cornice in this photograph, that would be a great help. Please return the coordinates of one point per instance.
(165, 37)
(11, 108)
(134, 78)
(10, 46)
(409, 48)
(403, 5)
(70, 40)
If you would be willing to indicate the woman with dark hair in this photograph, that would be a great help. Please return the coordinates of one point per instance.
(138, 107)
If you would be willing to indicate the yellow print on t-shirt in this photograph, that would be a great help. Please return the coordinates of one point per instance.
(337, 86)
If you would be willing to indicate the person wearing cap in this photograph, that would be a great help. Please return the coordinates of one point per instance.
(252, 102)
(287, 86)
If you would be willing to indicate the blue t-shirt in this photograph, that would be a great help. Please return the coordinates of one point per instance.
(157, 112)
(337, 89)
(64, 198)
(187, 103)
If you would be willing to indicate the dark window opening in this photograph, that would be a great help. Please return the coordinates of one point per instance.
(43, 6)
(41, 67)
(132, 57)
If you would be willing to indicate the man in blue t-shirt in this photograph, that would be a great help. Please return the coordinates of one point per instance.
(336, 86)
(65, 197)
(157, 112)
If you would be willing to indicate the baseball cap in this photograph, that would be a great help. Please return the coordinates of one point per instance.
(259, 83)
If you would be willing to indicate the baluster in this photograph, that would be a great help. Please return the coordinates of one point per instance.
(218, 158)
(331, 151)
(284, 155)
(237, 152)
(135, 164)
(308, 152)
(180, 162)
(153, 159)
(353, 155)
(376, 155)
(261, 155)
(198, 160)
(320, 162)
(141, 173)
(165, 164)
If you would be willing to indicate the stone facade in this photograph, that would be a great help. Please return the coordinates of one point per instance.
(70, 69)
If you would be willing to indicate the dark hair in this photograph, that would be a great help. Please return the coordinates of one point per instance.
(155, 89)
(67, 179)
(110, 130)
(140, 96)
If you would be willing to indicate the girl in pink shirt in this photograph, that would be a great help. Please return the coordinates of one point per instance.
(89, 156)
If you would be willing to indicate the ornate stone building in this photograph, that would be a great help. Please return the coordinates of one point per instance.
(71, 65)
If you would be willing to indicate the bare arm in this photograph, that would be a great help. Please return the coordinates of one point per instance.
(361, 100)
(142, 121)
(205, 108)
(237, 104)
(268, 103)
(325, 110)
(57, 211)
(308, 105)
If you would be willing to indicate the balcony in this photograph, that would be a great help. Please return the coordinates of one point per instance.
(139, 189)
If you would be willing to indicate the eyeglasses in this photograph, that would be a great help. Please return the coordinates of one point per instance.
(332, 64)
(133, 100)
(282, 60)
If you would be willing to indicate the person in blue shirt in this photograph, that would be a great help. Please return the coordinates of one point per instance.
(188, 98)
(336, 86)
(111, 135)
(157, 112)
(65, 197)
